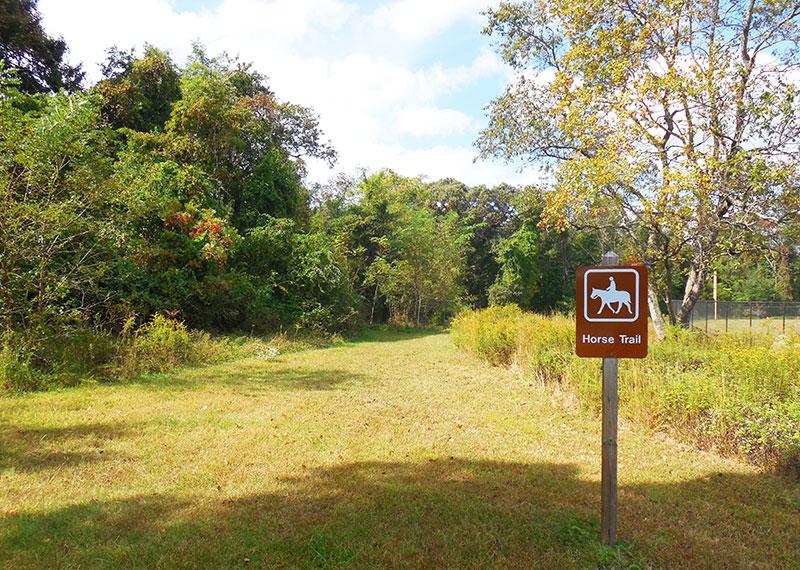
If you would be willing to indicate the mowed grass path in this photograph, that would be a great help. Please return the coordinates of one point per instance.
(395, 452)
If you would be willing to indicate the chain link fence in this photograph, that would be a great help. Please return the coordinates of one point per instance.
(760, 317)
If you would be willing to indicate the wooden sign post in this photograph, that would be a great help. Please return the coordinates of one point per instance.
(611, 323)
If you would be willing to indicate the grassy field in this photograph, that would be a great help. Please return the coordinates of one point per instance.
(396, 451)
(766, 326)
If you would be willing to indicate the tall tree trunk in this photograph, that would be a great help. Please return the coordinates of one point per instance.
(659, 324)
(656, 316)
(566, 274)
(374, 300)
(694, 284)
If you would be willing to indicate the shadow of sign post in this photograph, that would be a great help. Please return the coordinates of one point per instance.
(611, 323)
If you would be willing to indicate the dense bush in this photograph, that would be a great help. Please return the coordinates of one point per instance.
(16, 372)
(42, 358)
(160, 345)
(296, 277)
(724, 392)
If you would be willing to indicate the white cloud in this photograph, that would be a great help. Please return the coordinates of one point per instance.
(431, 122)
(433, 163)
(419, 20)
(358, 69)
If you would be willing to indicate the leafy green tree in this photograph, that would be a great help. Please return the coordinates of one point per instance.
(179, 246)
(490, 215)
(297, 277)
(537, 265)
(669, 122)
(218, 178)
(406, 257)
(37, 59)
(422, 282)
(416, 258)
(361, 215)
(62, 213)
(749, 278)
(228, 122)
(139, 93)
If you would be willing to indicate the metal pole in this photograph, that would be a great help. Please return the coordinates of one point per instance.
(751, 322)
(715, 295)
(784, 317)
(706, 305)
(608, 476)
(727, 310)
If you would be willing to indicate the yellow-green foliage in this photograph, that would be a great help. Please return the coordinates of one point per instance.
(490, 334)
(164, 344)
(29, 362)
(16, 373)
(160, 345)
(728, 392)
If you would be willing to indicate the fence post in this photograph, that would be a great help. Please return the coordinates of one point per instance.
(706, 305)
(784, 318)
(727, 310)
(751, 321)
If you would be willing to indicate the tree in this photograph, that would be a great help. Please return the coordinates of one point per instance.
(62, 214)
(37, 58)
(297, 276)
(228, 122)
(491, 216)
(213, 169)
(537, 266)
(139, 93)
(421, 272)
(406, 255)
(673, 123)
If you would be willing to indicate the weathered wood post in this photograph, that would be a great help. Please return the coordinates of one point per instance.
(608, 478)
(610, 323)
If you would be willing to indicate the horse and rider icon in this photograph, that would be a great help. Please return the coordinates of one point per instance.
(611, 296)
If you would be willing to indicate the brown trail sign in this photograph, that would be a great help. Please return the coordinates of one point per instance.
(611, 311)
(610, 323)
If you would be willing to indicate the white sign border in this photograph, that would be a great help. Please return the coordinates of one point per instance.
(586, 295)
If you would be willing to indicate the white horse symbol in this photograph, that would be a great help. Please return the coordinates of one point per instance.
(611, 295)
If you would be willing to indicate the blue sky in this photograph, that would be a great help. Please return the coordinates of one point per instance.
(398, 84)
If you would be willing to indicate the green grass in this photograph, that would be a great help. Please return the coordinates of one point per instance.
(396, 451)
(771, 326)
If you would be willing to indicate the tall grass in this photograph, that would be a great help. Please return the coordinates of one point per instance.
(724, 392)
(30, 362)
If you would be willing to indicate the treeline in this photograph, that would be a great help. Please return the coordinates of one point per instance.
(179, 191)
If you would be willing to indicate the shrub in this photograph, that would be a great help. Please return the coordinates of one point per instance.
(158, 346)
(37, 359)
(490, 334)
(16, 372)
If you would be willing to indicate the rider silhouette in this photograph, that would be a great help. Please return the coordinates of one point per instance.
(613, 285)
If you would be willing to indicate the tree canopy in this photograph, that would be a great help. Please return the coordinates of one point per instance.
(36, 58)
(674, 123)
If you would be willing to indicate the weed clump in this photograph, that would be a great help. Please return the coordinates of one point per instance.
(158, 346)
